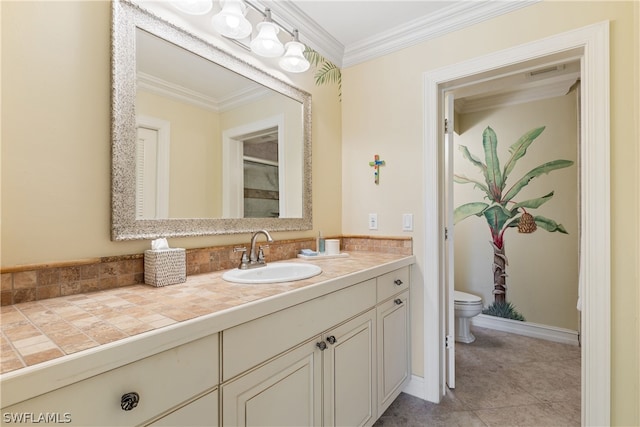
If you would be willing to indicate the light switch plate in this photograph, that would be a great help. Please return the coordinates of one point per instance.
(407, 222)
(373, 221)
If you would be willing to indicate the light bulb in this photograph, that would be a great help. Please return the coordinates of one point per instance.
(267, 43)
(294, 60)
(230, 21)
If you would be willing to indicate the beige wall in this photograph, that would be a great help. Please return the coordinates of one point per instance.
(383, 113)
(56, 146)
(56, 152)
(195, 168)
(542, 279)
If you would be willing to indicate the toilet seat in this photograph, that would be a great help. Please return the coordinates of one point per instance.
(463, 298)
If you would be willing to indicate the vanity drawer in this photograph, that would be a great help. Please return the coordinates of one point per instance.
(254, 342)
(392, 283)
(162, 382)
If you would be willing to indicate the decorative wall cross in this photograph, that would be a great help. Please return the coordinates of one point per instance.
(376, 167)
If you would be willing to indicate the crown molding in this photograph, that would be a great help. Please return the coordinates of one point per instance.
(515, 97)
(171, 90)
(458, 15)
(311, 34)
(446, 20)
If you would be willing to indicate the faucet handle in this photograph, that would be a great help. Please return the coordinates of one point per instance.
(261, 252)
(244, 261)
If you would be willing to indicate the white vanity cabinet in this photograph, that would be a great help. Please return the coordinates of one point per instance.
(153, 385)
(336, 354)
(328, 380)
(253, 343)
(294, 368)
(287, 386)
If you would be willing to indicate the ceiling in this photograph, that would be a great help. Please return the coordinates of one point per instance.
(348, 32)
(352, 31)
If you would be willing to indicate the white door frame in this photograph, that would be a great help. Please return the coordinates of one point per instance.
(591, 44)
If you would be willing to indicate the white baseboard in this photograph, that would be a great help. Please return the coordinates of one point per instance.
(415, 387)
(534, 330)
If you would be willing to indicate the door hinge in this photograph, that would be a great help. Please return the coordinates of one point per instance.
(446, 125)
(447, 341)
(446, 233)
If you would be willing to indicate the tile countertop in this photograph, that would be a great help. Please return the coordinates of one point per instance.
(44, 331)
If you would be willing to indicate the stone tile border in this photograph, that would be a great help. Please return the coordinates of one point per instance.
(43, 281)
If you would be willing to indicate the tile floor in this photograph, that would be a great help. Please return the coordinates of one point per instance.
(502, 379)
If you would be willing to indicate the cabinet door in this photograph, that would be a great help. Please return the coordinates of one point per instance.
(350, 373)
(284, 392)
(393, 349)
(201, 412)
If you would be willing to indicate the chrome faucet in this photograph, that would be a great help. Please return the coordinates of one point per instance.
(256, 258)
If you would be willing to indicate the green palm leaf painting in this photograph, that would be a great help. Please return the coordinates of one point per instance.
(500, 208)
(326, 71)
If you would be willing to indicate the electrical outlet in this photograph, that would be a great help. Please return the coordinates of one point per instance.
(407, 222)
(373, 221)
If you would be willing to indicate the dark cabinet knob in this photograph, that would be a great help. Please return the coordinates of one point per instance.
(398, 301)
(321, 345)
(332, 339)
(398, 282)
(128, 401)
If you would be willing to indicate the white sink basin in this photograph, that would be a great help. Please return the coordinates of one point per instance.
(273, 273)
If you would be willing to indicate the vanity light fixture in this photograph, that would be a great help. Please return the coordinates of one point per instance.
(193, 7)
(230, 21)
(266, 43)
(293, 59)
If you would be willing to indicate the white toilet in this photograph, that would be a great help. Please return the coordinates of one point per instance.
(465, 307)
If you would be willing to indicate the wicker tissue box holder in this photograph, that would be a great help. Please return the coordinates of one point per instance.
(164, 267)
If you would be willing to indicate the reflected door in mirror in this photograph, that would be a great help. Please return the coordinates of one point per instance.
(261, 178)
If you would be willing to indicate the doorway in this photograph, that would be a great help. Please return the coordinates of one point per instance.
(261, 175)
(590, 46)
(533, 119)
(254, 150)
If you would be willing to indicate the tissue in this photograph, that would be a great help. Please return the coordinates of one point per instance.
(160, 243)
(163, 265)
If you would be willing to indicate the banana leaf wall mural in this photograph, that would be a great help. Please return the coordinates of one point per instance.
(501, 207)
(326, 71)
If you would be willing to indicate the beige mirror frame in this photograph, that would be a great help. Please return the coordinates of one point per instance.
(126, 17)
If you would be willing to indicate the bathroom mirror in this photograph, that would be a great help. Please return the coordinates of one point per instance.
(203, 143)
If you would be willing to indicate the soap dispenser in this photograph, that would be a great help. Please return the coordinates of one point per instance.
(320, 243)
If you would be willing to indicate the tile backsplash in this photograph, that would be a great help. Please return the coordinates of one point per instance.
(43, 281)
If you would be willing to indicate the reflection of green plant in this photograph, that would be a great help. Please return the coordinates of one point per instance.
(502, 212)
(327, 72)
(503, 309)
